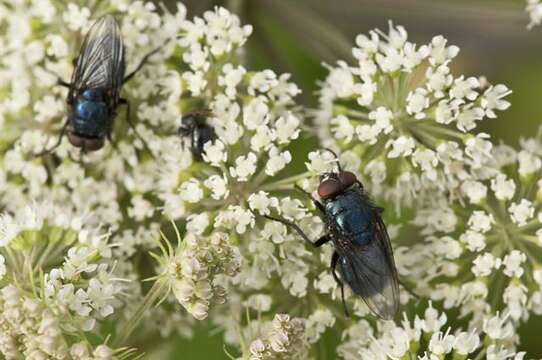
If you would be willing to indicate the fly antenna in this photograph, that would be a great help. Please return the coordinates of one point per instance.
(336, 158)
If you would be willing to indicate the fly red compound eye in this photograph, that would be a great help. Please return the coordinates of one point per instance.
(347, 178)
(94, 144)
(329, 188)
(75, 140)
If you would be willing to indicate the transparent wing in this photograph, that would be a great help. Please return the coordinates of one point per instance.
(100, 63)
(370, 271)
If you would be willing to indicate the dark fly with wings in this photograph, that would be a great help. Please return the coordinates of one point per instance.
(195, 128)
(363, 251)
(96, 83)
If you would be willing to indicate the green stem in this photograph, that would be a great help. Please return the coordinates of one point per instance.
(442, 130)
(150, 299)
(357, 115)
(286, 181)
(44, 255)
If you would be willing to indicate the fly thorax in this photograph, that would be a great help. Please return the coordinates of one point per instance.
(90, 114)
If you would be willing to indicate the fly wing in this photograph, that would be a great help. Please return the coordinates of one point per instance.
(370, 271)
(100, 63)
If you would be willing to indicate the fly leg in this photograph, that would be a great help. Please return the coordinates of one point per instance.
(333, 266)
(131, 124)
(63, 83)
(324, 239)
(59, 81)
(113, 142)
(291, 225)
(409, 290)
(144, 61)
(80, 158)
(294, 226)
(316, 203)
(58, 142)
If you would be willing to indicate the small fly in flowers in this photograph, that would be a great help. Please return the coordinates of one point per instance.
(94, 90)
(194, 127)
(362, 246)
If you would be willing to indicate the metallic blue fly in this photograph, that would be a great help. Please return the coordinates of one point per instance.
(96, 83)
(363, 250)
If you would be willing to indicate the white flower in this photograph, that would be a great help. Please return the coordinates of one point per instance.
(417, 102)
(474, 190)
(534, 8)
(432, 321)
(341, 80)
(504, 188)
(140, 208)
(466, 343)
(191, 191)
(317, 323)
(367, 133)
(441, 344)
(320, 162)
(464, 88)
(484, 264)
(214, 153)
(48, 108)
(493, 100)
(218, 185)
(515, 296)
(287, 128)
(402, 146)
(521, 212)
(382, 118)
(480, 221)
(512, 263)
(498, 327)
(76, 18)
(262, 203)
(277, 161)
(245, 166)
(262, 139)
(231, 78)
(342, 128)
(528, 163)
(197, 223)
(376, 170)
(440, 53)
(196, 82)
(8, 229)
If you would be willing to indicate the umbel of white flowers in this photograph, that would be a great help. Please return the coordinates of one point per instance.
(401, 117)
(73, 274)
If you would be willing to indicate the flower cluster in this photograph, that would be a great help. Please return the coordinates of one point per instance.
(282, 339)
(487, 250)
(73, 278)
(46, 309)
(193, 271)
(39, 48)
(430, 338)
(400, 110)
(534, 8)
(241, 176)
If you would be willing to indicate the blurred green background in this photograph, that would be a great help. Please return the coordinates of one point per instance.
(295, 36)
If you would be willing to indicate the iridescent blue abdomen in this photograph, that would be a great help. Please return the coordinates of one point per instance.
(352, 216)
(90, 114)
